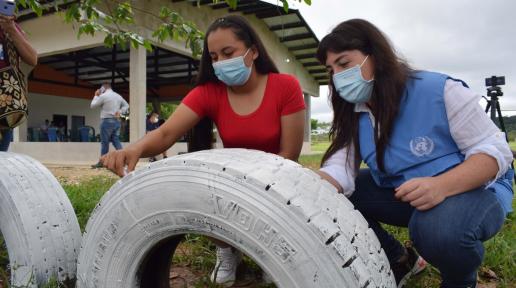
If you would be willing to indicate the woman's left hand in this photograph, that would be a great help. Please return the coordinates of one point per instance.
(423, 193)
(7, 23)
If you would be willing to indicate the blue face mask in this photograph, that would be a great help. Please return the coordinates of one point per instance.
(233, 72)
(351, 86)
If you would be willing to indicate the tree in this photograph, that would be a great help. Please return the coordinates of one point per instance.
(120, 13)
(313, 124)
(324, 125)
(165, 109)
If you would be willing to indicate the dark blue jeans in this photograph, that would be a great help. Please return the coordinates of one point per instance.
(5, 139)
(109, 132)
(448, 236)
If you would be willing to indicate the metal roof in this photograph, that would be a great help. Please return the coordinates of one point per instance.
(290, 27)
(102, 64)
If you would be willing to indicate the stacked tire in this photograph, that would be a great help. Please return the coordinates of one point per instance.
(289, 221)
(38, 223)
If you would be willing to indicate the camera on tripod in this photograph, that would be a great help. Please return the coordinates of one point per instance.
(494, 90)
(492, 84)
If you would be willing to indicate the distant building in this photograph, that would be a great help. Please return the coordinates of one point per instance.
(320, 131)
(70, 69)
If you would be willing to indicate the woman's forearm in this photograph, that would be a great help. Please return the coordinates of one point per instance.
(330, 179)
(159, 140)
(27, 53)
(291, 155)
(153, 143)
(472, 173)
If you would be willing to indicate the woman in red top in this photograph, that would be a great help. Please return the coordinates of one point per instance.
(239, 88)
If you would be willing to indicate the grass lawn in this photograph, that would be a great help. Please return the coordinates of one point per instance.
(319, 146)
(313, 161)
(197, 253)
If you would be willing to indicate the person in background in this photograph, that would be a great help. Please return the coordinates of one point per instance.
(61, 131)
(112, 105)
(43, 130)
(44, 125)
(152, 123)
(27, 54)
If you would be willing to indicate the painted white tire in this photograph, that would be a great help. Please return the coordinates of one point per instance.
(288, 220)
(38, 223)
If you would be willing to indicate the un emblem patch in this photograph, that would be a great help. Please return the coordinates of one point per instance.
(421, 146)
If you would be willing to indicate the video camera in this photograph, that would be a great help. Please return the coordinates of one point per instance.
(492, 84)
(495, 81)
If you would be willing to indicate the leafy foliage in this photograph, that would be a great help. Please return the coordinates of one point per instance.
(120, 14)
(314, 123)
(510, 126)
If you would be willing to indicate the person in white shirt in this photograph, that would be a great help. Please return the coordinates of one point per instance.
(112, 106)
(436, 163)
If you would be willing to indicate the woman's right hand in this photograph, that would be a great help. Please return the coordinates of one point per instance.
(153, 143)
(116, 161)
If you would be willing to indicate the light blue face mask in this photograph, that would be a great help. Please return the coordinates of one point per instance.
(351, 86)
(233, 72)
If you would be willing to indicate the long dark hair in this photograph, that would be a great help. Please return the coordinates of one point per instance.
(201, 136)
(390, 74)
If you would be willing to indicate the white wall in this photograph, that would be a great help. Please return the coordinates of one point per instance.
(78, 153)
(72, 153)
(50, 35)
(42, 107)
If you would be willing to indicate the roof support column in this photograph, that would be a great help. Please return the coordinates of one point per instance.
(308, 125)
(20, 133)
(137, 92)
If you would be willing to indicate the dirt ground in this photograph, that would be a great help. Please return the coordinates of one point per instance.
(75, 174)
(185, 277)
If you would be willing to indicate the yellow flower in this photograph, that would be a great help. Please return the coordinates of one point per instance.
(5, 100)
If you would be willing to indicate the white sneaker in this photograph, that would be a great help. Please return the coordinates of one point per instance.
(226, 266)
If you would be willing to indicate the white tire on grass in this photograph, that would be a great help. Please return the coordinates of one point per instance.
(38, 223)
(290, 222)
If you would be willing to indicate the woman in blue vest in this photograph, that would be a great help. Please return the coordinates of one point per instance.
(436, 163)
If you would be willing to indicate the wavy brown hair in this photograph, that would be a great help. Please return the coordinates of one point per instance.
(390, 73)
(201, 136)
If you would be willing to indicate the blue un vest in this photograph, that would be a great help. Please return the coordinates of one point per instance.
(421, 144)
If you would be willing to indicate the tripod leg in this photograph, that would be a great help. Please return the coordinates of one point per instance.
(488, 105)
(500, 120)
(502, 126)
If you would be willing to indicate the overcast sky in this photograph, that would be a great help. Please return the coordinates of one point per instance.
(470, 40)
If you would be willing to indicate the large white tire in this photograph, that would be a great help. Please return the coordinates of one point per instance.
(38, 223)
(289, 221)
